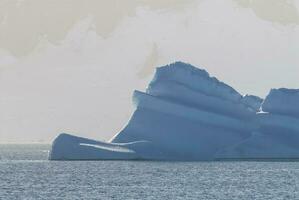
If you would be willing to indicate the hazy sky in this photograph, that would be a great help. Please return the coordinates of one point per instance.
(71, 65)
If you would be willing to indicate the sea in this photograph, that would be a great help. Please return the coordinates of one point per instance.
(26, 173)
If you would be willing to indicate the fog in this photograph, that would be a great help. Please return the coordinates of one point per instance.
(71, 66)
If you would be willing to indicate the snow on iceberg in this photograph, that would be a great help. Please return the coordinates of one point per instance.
(185, 114)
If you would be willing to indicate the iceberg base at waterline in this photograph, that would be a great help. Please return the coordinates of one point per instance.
(185, 114)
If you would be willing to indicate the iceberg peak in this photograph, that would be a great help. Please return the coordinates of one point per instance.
(181, 68)
(193, 78)
(282, 101)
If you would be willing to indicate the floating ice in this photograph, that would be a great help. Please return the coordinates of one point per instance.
(185, 114)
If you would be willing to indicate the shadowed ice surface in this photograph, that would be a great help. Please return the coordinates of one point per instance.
(27, 174)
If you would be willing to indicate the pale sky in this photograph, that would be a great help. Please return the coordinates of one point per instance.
(72, 65)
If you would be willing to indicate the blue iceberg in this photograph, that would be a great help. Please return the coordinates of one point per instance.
(185, 114)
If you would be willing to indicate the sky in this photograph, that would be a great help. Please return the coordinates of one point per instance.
(71, 66)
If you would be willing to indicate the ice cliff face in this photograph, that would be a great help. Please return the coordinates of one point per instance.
(185, 114)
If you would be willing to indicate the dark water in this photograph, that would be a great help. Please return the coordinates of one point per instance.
(25, 173)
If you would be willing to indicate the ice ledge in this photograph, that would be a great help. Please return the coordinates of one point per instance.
(69, 147)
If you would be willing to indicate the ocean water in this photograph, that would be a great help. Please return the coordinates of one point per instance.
(25, 173)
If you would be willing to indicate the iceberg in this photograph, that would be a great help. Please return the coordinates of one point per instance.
(186, 114)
